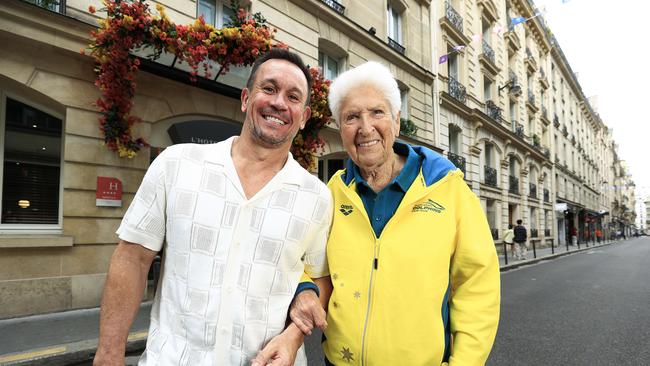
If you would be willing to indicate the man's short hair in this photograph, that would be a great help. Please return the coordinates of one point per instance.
(277, 53)
(519, 222)
(372, 74)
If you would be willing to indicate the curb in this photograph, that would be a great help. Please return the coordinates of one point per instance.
(509, 267)
(70, 353)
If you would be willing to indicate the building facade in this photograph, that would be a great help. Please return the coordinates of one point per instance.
(505, 108)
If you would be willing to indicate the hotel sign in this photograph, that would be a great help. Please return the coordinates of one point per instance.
(109, 192)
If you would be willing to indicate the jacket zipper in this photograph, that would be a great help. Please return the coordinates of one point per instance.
(373, 268)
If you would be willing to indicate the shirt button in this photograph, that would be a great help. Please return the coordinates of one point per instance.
(378, 218)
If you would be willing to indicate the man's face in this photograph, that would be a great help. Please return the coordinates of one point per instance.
(367, 128)
(275, 106)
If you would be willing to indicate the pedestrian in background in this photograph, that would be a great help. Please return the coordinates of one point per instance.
(521, 238)
(509, 239)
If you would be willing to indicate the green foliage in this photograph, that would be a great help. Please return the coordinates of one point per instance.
(407, 127)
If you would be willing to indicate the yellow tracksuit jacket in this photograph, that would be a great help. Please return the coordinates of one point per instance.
(425, 292)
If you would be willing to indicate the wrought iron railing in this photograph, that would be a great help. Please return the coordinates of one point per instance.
(488, 52)
(57, 6)
(565, 132)
(533, 233)
(457, 160)
(514, 185)
(453, 16)
(495, 234)
(546, 152)
(492, 110)
(335, 5)
(490, 176)
(532, 190)
(457, 90)
(547, 195)
(547, 233)
(396, 46)
(519, 130)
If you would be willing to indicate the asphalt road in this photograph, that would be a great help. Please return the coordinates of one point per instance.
(591, 308)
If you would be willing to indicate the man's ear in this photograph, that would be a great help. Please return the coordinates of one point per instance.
(306, 115)
(244, 99)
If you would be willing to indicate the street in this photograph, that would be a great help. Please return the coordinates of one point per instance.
(589, 308)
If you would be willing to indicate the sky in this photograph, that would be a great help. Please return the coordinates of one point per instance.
(607, 43)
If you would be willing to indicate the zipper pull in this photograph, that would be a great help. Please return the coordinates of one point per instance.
(376, 263)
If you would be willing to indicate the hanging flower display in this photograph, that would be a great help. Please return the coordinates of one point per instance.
(308, 143)
(129, 26)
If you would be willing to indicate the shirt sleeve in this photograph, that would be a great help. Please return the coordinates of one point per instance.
(475, 285)
(315, 259)
(144, 221)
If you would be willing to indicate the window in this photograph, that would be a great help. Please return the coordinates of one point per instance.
(215, 12)
(53, 5)
(394, 24)
(329, 65)
(488, 155)
(328, 166)
(452, 64)
(487, 89)
(31, 170)
(454, 137)
(404, 96)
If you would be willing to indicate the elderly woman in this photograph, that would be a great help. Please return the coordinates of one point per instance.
(413, 267)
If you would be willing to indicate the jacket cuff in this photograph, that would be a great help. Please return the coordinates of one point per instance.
(306, 286)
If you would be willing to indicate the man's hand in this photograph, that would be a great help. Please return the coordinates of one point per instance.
(306, 312)
(281, 350)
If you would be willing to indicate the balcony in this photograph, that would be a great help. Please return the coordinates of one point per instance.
(547, 233)
(457, 90)
(495, 234)
(513, 186)
(334, 5)
(396, 46)
(533, 233)
(457, 160)
(543, 81)
(518, 129)
(547, 195)
(488, 52)
(492, 110)
(490, 176)
(454, 18)
(532, 190)
(530, 102)
(530, 61)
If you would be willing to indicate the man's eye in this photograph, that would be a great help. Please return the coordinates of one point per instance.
(294, 98)
(267, 89)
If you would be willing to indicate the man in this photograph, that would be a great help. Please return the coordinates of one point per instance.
(414, 270)
(242, 222)
(521, 236)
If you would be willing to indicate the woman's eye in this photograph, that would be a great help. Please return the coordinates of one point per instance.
(378, 112)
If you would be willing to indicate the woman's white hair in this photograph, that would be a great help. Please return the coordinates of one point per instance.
(370, 74)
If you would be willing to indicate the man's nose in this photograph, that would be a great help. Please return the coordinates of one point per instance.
(279, 101)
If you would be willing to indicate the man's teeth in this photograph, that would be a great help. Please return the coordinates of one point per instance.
(367, 144)
(275, 120)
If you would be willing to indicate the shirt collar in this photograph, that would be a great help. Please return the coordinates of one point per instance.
(409, 170)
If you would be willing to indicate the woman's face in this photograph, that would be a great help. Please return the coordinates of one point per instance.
(367, 128)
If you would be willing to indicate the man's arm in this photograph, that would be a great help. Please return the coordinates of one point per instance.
(308, 311)
(123, 292)
(282, 349)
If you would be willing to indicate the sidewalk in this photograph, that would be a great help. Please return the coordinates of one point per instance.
(70, 338)
(546, 253)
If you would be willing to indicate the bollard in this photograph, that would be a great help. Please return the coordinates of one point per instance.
(534, 251)
(505, 252)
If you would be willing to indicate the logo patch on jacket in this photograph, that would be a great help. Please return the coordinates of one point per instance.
(428, 206)
(346, 209)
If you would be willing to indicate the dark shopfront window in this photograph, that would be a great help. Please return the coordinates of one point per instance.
(31, 165)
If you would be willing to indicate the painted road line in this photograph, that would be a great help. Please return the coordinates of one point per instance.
(32, 354)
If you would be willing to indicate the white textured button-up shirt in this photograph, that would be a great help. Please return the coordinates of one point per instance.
(231, 264)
